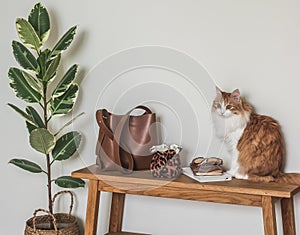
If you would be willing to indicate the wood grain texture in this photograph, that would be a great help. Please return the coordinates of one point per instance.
(240, 192)
(179, 193)
(288, 219)
(269, 216)
(92, 209)
(144, 180)
(116, 212)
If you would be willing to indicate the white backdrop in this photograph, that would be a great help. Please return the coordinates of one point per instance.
(168, 55)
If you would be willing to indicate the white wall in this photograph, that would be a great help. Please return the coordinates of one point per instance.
(250, 45)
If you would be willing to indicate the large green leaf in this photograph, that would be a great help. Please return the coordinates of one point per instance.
(69, 182)
(26, 165)
(24, 57)
(26, 116)
(22, 88)
(65, 82)
(64, 42)
(39, 19)
(33, 83)
(64, 103)
(42, 140)
(43, 63)
(66, 146)
(34, 116)
(52, 69)
(27, 34)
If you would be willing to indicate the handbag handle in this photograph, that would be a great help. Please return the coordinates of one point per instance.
(146, 109)
(101, 115)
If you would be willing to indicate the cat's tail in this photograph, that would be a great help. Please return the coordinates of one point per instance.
(289, 178)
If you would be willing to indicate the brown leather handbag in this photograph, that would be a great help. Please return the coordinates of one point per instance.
(124, 141)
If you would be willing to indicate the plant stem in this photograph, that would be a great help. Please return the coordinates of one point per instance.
(49, 184)
(47, 155)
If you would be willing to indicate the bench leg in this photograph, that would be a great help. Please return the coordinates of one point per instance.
(91, 219)
(288, 218)
(269, 215)
(116, 212)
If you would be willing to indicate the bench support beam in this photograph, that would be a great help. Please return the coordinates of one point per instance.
(269, 216)
(288, 218)
(116, 212)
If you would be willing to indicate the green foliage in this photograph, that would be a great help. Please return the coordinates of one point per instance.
(69, 182)
(35, 117)
(24, 57)
(22, 86)
(26, 165)
(28, 118)
(42, 140)
(66, 146)
(39, 19)
(64, 42)
(64, 103)
(30, 83)
(28, 35)
(65, 82)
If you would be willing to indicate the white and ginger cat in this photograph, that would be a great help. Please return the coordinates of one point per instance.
(254, 141)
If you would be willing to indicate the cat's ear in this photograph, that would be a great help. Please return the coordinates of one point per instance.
(236, 95)
(218, 92)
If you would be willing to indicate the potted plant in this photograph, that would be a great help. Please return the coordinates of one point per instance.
(33, 83)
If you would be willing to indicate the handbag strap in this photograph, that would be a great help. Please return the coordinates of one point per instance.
(102, 114)
(116, 137)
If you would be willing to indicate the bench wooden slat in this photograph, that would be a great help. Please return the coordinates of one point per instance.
(188, 194)
(143, 180)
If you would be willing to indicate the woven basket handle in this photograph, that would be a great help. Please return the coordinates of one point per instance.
(47, 212)
(71, 195)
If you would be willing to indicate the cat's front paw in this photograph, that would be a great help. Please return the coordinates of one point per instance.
(230, 172)
(240, 176)
(237, 175)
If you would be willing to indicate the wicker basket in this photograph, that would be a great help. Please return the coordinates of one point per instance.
(62, 223)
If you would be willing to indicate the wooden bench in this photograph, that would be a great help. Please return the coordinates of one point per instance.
(240, 192)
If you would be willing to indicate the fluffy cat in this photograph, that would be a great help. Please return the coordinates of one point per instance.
(254, 141)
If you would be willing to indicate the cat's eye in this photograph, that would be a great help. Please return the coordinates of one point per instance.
(229, 106)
